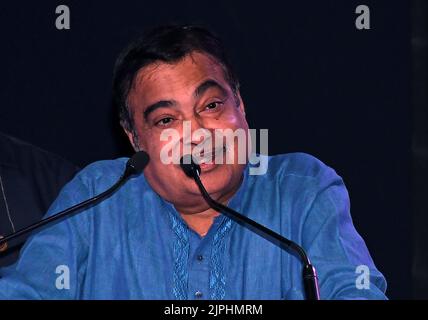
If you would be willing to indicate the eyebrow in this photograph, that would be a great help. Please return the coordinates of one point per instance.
(208, 84)
(200, 90)
(157, 105)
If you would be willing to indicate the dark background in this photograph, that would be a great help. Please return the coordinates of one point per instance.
(308, 75)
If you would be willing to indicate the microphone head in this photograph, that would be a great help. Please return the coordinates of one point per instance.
(137, 162)
(189, 166)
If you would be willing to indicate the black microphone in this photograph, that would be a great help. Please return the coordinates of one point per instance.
(310, 278)
(135, 165)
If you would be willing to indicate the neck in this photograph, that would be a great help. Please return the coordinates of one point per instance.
(200, 219)
(200, 222)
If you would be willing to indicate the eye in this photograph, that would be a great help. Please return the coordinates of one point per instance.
(213, 106)
(164, 121)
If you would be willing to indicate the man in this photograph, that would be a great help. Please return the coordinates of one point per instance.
(156, 237)
(30, 180)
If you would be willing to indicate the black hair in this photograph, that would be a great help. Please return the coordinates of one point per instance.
(166, 44)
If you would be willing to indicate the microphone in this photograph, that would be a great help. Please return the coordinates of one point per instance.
(310, 278)
(134, 166)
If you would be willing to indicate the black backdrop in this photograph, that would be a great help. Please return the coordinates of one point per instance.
(308, 75)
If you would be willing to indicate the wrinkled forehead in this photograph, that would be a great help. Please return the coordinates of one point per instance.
(160, 77)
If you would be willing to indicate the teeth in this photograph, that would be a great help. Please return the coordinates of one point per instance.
(210, 157)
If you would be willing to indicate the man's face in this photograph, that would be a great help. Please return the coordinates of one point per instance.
(163, 97)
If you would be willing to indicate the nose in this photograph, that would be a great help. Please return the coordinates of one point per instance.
(194, 133)
(194, 130)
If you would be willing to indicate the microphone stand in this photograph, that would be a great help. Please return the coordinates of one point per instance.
(135, 165)
(310, 278)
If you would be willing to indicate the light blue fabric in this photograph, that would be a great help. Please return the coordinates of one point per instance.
(135, 245)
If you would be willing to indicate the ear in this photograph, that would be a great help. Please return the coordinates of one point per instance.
(132, 139)
(241, 103)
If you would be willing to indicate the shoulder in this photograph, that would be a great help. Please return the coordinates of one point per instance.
(103, 171)
(100, 175)
(297, 165)
(297, 177)
(91, 181)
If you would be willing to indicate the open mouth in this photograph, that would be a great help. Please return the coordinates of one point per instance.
(207, 160)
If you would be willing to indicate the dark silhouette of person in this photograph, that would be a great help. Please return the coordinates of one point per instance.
(30, 179)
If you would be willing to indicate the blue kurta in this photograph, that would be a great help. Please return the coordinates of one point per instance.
(135, 245)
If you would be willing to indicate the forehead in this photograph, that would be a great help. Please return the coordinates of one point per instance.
(160, 79)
